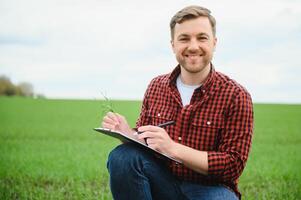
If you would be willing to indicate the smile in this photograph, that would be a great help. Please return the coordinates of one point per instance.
(192, 56)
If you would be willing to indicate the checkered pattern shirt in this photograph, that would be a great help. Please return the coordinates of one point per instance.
(219, 120)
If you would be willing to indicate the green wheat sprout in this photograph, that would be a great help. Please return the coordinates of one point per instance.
(107, 105)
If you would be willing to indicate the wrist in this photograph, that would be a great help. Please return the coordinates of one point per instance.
(132, 130)
(175, 150)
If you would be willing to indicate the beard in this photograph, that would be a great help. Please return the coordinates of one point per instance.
(194, 66)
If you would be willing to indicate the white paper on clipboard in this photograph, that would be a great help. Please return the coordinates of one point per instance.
(133, 139)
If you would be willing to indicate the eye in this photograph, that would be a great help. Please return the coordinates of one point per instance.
(183, 39)
(203, 38)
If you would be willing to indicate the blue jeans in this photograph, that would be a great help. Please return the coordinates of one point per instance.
(137, 174)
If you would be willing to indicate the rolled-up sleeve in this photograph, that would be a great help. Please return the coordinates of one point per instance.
(228, 162)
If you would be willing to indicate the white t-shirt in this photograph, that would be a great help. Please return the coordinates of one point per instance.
(186, 91)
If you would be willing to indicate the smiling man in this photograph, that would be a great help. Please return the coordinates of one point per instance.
(213, 127)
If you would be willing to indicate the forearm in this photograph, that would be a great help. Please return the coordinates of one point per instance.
(191, 158)
(221, 165)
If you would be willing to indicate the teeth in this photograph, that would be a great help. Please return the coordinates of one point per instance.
(192, 55)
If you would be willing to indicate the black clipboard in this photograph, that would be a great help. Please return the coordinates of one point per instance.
(125, 137)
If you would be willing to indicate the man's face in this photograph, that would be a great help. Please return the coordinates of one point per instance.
(194, 44)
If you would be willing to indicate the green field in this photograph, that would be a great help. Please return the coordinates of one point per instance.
(48, 150)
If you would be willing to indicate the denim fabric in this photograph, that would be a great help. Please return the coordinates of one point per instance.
(136, 174)
(199, 192)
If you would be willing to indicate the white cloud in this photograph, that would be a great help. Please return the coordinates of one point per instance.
(79, 48)
(270, 74)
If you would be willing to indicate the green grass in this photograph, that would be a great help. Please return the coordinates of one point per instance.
(273, 170)
(48, 150)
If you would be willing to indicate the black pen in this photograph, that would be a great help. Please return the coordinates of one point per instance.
(161, 126)
(166, 124)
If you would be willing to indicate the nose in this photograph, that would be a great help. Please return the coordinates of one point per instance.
(193, 45)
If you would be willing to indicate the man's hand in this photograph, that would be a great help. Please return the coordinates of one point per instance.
(117, 122)
(157, 138)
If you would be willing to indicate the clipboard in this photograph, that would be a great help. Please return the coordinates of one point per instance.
(131, 138)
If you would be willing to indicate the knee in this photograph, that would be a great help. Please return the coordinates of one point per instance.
(123, 157)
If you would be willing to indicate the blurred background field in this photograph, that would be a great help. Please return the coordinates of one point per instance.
(48, 150)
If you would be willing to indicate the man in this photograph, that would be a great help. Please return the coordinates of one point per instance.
(213, 124)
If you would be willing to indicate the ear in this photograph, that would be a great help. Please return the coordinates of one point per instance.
(172, 45)
(214, 43)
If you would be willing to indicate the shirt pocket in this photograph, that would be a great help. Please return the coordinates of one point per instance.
(206, 132)
(160, 114)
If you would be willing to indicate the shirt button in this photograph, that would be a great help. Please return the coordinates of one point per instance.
(179, 138)
(208, 123)
(204, 91)
(159, 114)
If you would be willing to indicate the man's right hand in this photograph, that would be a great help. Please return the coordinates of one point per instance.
(117, 122)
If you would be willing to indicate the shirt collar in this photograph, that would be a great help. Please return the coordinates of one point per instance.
(205, 86)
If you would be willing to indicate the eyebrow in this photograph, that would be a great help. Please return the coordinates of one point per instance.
(203, 34)
(187, 35)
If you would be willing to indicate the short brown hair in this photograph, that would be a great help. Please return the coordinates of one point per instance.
(191, 12)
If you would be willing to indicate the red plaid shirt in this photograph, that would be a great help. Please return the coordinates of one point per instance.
(219, 120)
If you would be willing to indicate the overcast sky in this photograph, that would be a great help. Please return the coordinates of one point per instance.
(81, 49)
